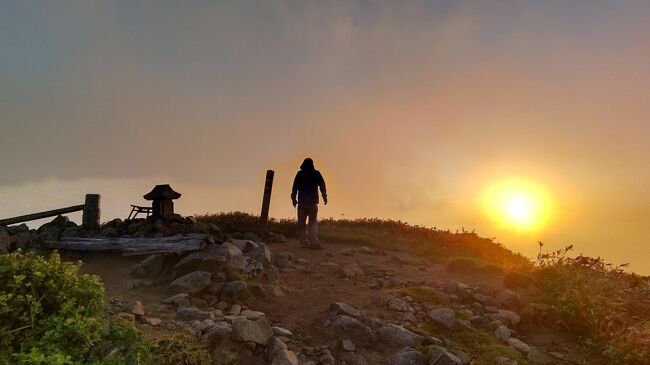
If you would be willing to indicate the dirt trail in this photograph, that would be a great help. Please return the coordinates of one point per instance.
(309, 287)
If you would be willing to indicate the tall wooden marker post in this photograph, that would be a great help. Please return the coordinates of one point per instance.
(266, 201)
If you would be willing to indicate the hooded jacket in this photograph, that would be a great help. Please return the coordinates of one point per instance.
(306, 184)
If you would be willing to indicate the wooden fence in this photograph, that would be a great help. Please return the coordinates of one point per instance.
(90, 216)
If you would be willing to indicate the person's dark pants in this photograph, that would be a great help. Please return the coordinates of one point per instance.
(308, 232)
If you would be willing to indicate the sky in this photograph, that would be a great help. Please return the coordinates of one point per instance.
(411, 110)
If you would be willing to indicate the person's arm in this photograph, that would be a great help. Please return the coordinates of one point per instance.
(323, 188)
(294, 191)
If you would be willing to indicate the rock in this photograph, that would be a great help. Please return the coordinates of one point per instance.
(500, 360)
(153, 321)
(538, 357)
(507, 298)
(350, 327)
(277, 291)
(252, 236)
(374, 284)
(442, 356)
(276, 238)
(233, 289)
(337, 308)
(135, 308)
(181, 299)
(348, 345)
(408, 356)
(187, 314)
(258, 290)
(326, 357)
(399, 304)
(502, 333)
(347, 252)
(191, 283)
(508, 318)
(272, 274)
(212, 259)
(284, 259)
(444, 317)
(245, 330)
(127, 317)
(255, 250)
(235, 309)
(285, 357)
(149, 268)
(394, 335)
(279, 331)
(274, 346)
(465, 359)
(519, 345)
(365, 250)
(5, 241)
(352, 270)
(216, 335)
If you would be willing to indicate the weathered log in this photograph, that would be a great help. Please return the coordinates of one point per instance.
(129, 245)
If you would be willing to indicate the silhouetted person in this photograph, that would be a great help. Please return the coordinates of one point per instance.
(305, 186)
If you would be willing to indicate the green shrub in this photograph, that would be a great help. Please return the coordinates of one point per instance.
(49, 313)
(597, 302)
(136, 349)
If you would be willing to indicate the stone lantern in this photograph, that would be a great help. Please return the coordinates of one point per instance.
(162, 197)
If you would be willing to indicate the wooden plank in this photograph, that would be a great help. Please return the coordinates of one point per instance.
(180, 243)
(46, 214)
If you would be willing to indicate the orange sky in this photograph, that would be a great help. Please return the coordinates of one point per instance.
(410, 110)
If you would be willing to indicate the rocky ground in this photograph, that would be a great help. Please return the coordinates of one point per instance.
(278, 303)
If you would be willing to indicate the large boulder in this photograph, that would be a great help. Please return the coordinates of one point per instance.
(444, 317)
(149, 268)
(408, 356)
(246, 330)
(255, 250)
(351, 328)
(212, 259)
(394, 335)
(191, 283)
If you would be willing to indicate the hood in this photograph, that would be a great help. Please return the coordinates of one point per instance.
(307, 164)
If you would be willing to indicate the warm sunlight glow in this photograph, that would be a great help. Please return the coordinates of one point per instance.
(518, 204)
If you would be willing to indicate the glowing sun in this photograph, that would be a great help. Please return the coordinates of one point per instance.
(518, 204)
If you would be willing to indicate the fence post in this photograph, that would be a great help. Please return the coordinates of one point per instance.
(91, 212)
(266, 201)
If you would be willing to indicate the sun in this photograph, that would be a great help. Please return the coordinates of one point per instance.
(518, 204)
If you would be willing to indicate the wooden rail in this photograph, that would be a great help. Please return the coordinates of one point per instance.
(90, 219)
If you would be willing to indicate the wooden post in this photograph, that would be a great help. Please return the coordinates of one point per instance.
(91, 212)
(266, 201)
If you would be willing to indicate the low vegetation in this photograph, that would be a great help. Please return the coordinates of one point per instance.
(424, 294)
(602, 304)
(51, 314)
(432, 243)
(483, 346)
